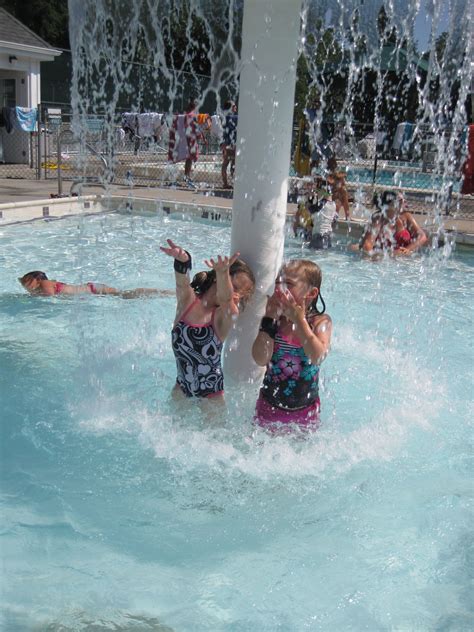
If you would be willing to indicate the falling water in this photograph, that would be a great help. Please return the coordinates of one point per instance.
(155, 54)
(125, 512)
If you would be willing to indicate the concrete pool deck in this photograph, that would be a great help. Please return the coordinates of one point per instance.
(24, 200)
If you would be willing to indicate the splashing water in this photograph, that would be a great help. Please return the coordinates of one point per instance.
(134, 513)
(140, 509)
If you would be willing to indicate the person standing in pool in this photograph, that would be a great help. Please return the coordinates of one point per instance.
(324, 216)
(206, 308)
(293, 340)
(38, 284)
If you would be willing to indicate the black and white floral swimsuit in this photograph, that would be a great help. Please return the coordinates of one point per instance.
(198, 350)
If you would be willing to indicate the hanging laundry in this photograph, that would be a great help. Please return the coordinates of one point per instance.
(183, 143)
(130, 123)
(9, 119)
(26, 119)
(468, 166)
(402, 138)
(216, 126)
(146, 127)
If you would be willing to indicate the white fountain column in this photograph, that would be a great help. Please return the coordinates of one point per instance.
(271, 31)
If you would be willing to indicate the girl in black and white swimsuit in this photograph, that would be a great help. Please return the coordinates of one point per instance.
(205, 311)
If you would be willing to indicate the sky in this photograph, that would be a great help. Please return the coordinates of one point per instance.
(423, 23)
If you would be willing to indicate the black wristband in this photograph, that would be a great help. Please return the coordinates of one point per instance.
(269, 326)
(183, 266)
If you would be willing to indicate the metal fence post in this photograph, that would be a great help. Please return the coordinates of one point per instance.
(58, 163)
(38, 145)
(374, 174)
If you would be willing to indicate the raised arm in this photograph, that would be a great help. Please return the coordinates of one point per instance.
(182, 265)
(227, 299)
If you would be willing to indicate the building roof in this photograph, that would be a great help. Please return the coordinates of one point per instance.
(12, 31)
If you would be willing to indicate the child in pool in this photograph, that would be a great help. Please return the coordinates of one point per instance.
(37, 283)
(392, 229)
(302, 223)
(205, 311)
(293, 340)
(324, 217)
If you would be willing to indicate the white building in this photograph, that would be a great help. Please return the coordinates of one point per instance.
(21, 52)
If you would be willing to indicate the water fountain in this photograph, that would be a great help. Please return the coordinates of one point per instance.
(102, 44)
(135, 513)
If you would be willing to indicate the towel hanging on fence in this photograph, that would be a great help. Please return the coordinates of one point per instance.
(26, 118)
(401, 141)
(9, 119)
(183, 143)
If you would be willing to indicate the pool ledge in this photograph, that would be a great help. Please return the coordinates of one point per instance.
(462, 231)
(19, 212)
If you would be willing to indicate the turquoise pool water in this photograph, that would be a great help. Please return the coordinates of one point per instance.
(398, 178)
(124, 511)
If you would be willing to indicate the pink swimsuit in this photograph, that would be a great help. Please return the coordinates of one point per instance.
(58, 288)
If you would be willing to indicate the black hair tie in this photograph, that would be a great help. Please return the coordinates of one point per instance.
(269, 326)
(322, 301)
(182, 267)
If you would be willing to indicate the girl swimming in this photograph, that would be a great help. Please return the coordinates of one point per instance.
(37, 283)
(293, 340)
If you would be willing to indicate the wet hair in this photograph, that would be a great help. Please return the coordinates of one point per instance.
(313, 276)
(203, 281)
(385, 199)
(35, 274)
(332, 163)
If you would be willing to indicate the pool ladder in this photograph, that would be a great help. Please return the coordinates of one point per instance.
(79, 182)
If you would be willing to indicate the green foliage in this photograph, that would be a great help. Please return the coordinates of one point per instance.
(47, 18)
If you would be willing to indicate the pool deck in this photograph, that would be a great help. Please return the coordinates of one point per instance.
(19, 195)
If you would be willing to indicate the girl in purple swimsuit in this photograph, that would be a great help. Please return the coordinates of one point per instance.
(205, 311)
(36, 282)
(293, 340)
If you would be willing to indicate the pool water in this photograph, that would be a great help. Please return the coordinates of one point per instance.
(398, 178)
(125, 510)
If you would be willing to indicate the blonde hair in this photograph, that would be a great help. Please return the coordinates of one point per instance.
(313, 276)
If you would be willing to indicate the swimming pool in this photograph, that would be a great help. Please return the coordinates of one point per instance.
(403, 178)
(123, 511)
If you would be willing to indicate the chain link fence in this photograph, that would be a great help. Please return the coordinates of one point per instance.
(405, 159)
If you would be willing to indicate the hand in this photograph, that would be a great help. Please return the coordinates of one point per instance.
(291, 310)
(175, 251)
(402, 251)
(273, 308)
(222, 264)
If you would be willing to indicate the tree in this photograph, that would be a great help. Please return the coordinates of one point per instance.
(47, 18)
